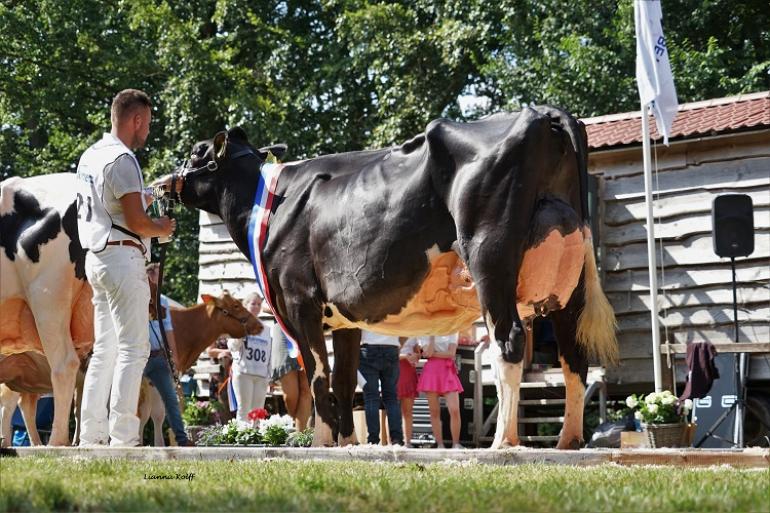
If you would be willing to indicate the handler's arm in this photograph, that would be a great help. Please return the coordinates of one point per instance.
(139, 222)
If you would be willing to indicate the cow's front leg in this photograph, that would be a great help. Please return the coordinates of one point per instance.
(304, 322)
(326, 417)
(344, 379)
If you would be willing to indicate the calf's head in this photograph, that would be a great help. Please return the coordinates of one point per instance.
(231, 316)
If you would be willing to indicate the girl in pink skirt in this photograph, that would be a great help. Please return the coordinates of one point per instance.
(439, 378)
(407, 384)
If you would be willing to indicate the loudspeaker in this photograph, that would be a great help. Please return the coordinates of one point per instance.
(733, 222)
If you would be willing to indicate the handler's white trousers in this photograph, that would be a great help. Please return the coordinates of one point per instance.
(121, 347)
(250, 392)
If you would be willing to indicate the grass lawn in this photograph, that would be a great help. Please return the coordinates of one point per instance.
(62, 484)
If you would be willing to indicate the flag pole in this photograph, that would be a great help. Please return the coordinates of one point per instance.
(651, 261)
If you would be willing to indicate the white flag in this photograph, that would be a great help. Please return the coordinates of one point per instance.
(653, 71)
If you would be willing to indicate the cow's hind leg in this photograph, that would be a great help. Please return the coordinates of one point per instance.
(495, 272)
(76, 408)
(344, 378)
(508, 384)
(8, 401)
(574, 363)
(28, 407)
(158, 414)
(53, 326)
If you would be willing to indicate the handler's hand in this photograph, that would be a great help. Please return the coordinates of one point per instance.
(167, 225)
(164, 182)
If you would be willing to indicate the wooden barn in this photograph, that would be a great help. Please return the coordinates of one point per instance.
(718, 146)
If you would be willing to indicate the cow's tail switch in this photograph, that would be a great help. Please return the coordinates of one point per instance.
(596, 325)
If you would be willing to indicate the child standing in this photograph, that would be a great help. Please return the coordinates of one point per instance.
(408, 357)
(251, 364)
(439, 378)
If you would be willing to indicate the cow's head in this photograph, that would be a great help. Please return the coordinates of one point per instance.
(231, 316)
(224, 160)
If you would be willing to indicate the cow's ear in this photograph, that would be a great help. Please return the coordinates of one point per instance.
(276, 149)
(207, 299)
(220, 144)
(239, 133)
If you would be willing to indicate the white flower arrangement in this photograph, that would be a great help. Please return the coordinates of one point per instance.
(273, 430)
(283, 421)
(659, 408)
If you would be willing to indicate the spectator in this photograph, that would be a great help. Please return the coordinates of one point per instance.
(251, 364)
(293, 379)
(407, 384)
(221, 384)
(379, 367)
(439, 378)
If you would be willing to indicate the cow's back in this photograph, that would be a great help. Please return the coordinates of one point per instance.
(41, 257)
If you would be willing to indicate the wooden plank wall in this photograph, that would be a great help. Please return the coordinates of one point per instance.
(221, 265)
(696, 284)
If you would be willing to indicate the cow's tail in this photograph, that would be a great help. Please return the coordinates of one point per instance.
(596, 324)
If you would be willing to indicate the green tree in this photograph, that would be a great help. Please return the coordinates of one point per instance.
(334, 75)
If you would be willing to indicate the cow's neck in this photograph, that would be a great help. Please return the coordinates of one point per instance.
(194, 331)
(236, 200)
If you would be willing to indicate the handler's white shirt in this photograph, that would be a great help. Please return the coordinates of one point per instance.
(107, 171)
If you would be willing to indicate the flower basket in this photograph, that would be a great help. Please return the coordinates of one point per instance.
(663, 417)
(666, 435)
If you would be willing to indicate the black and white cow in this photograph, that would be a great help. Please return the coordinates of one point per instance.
(389, 240)
(45, 301)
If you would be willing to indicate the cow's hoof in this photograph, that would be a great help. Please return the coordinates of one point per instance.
(342, 441)
(506, 443)
(572, 445)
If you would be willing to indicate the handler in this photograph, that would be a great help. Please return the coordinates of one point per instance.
(113, 225)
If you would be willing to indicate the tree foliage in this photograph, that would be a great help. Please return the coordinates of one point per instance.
(335, 75)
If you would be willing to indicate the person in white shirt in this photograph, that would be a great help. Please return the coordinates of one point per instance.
(378, 365)
(251, 364)
(439, 378)
(407, 384)
(113, 225)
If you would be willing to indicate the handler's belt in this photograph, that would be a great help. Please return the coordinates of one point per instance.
(131, 243)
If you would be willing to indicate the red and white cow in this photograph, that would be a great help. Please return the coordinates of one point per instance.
(45, 301)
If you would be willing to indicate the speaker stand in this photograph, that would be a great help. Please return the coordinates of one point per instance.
(739, 375)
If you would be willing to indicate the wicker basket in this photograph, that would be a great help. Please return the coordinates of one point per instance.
(666, 435)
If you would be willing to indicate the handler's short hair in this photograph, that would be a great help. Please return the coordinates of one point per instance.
(126, 102)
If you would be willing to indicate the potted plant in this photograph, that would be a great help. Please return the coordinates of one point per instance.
(663, 417)
(197, 415)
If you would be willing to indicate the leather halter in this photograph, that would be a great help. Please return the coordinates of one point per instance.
(188, 172)
(243, 321)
